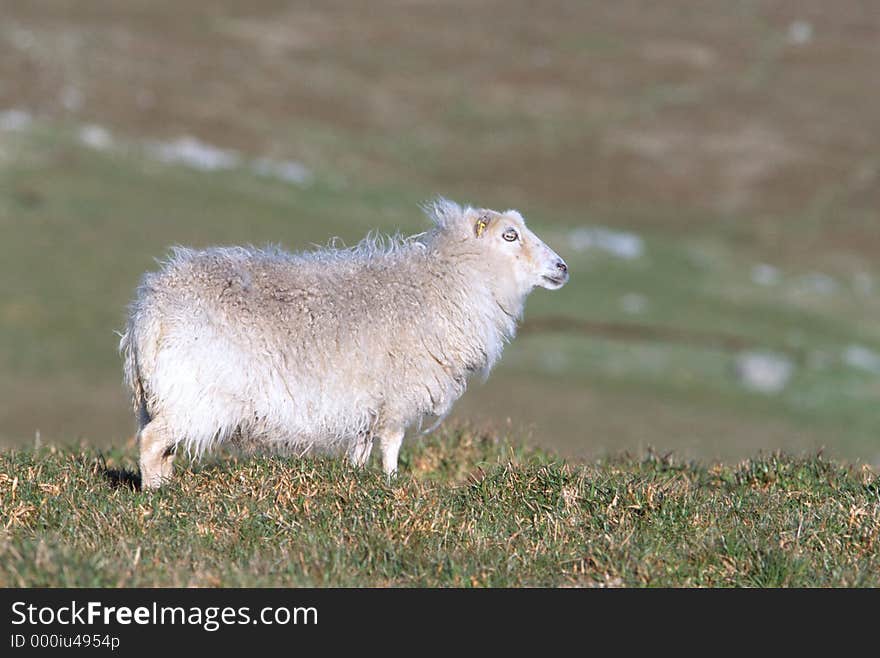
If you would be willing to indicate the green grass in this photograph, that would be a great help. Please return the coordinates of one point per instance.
(466, 510)
(718, 141)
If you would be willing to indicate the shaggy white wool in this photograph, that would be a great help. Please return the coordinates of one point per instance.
(318, 350)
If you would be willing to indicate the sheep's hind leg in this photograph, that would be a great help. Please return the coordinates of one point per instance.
(389, 443)
(156, 455)
(359, 453)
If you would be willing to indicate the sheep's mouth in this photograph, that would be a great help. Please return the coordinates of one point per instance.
(556, 281)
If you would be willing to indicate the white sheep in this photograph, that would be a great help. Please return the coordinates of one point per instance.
(330, 349)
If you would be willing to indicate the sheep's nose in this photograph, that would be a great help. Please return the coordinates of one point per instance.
(562, 267)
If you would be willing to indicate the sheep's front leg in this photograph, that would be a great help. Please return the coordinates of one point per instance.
(359, 452)
(389, 444)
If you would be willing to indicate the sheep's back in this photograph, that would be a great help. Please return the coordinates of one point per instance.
(298, 347)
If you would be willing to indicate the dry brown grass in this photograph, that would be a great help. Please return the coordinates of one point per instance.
(465, 511)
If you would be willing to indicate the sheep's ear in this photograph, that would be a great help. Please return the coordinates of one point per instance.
(481, 224)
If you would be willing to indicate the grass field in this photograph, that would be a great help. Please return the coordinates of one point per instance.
(467, 510)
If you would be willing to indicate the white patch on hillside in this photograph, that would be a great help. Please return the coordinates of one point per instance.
(800, 33)
(764, 372)
(818, 283)
(185, 151)
(193, 153)
(288, 171)
(20, 38)
(765, 275)
(620, 244)
(862, 358)
(95, 137)
(15, 120)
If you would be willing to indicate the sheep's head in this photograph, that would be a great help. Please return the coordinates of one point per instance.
(515, 257)
(515, 251)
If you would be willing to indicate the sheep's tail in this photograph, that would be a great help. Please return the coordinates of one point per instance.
(132, 374)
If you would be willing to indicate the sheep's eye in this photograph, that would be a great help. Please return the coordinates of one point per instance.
(510, 235)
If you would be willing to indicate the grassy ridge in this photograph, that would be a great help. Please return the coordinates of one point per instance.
(467, 510)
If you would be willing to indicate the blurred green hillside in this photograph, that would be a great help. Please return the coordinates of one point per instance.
(710, 172)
